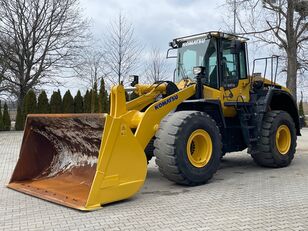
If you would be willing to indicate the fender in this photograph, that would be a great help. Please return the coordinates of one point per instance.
(278, 99)
(211, 107)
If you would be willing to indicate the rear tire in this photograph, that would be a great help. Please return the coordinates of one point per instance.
(188, 147)
(277, 144)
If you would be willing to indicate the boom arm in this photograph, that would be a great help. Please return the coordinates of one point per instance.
(146, 123)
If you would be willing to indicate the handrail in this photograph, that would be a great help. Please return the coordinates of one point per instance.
(266, 59)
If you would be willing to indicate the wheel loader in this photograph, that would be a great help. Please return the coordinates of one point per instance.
(212, 107)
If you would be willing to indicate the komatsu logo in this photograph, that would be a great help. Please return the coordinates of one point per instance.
(165, 102)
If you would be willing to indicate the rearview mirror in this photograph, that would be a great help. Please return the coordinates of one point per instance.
(134, 80)
(172, 53)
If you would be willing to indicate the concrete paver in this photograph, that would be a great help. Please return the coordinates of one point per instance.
(241, 196)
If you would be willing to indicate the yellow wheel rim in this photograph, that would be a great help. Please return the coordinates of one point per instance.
(199, 148)
(283, 139)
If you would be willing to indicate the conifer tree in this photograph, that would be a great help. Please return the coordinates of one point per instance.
(42, 103)
(94, 99)
(68, 102)
(56, 102)
(19, 122)
(1, 118)
(78, 103)
(87, 102)
(30, 105)
(102, 98)
(6, 118)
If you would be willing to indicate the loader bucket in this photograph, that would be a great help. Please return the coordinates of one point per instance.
(62, 160)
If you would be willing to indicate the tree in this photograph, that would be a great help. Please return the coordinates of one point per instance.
(102, 98)
(87, 102)
(3, 70)
(68, 102)
(19, 121)
(6, 118)
(30, 104)
(122, 51)
(56, 102)
(38, 38)
(279, 24)
(94, 99)
(91, 67)
(156, 67)
(1, 118)
(42, 103)
(78, 103)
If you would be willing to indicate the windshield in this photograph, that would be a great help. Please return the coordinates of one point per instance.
(198, 53)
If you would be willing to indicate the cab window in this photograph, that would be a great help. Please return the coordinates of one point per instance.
(210, 64)
(233, 65)
(243, 68)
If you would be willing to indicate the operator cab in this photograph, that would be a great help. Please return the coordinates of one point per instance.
(222, 58)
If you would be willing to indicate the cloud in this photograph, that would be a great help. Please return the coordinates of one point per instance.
(156, 22)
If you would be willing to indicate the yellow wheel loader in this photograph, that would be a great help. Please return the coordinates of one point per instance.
(212, 107)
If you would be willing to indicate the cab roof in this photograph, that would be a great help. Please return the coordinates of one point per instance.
(206, 35)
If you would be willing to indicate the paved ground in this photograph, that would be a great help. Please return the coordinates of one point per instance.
(242, 196)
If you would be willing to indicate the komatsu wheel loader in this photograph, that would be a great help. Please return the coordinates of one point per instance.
(212, 107)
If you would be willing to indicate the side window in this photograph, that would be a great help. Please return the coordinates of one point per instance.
(243, 70)
(229, 66)
(211, 65)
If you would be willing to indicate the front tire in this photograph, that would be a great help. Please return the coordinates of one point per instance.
(188, 147)
(149, 150)
(277, 144)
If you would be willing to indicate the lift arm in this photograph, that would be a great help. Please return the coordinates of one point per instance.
(146, 123)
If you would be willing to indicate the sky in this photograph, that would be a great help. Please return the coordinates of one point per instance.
(155, 23)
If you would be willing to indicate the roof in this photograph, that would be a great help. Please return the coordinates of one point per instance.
(206, 35)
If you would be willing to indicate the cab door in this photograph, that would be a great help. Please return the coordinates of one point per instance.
(233, 71)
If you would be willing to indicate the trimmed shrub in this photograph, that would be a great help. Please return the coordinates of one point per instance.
(56, 102)
(103, 98)
(78, 103)
(42, 103)
(94, 99)
(19, 122)
(87, 102)
(68, 102)
(30, 105)
(6, 118)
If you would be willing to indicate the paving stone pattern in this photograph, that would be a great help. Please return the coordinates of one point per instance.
(241, 196)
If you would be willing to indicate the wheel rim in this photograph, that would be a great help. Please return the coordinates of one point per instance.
(283, 139)
(199, 148)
